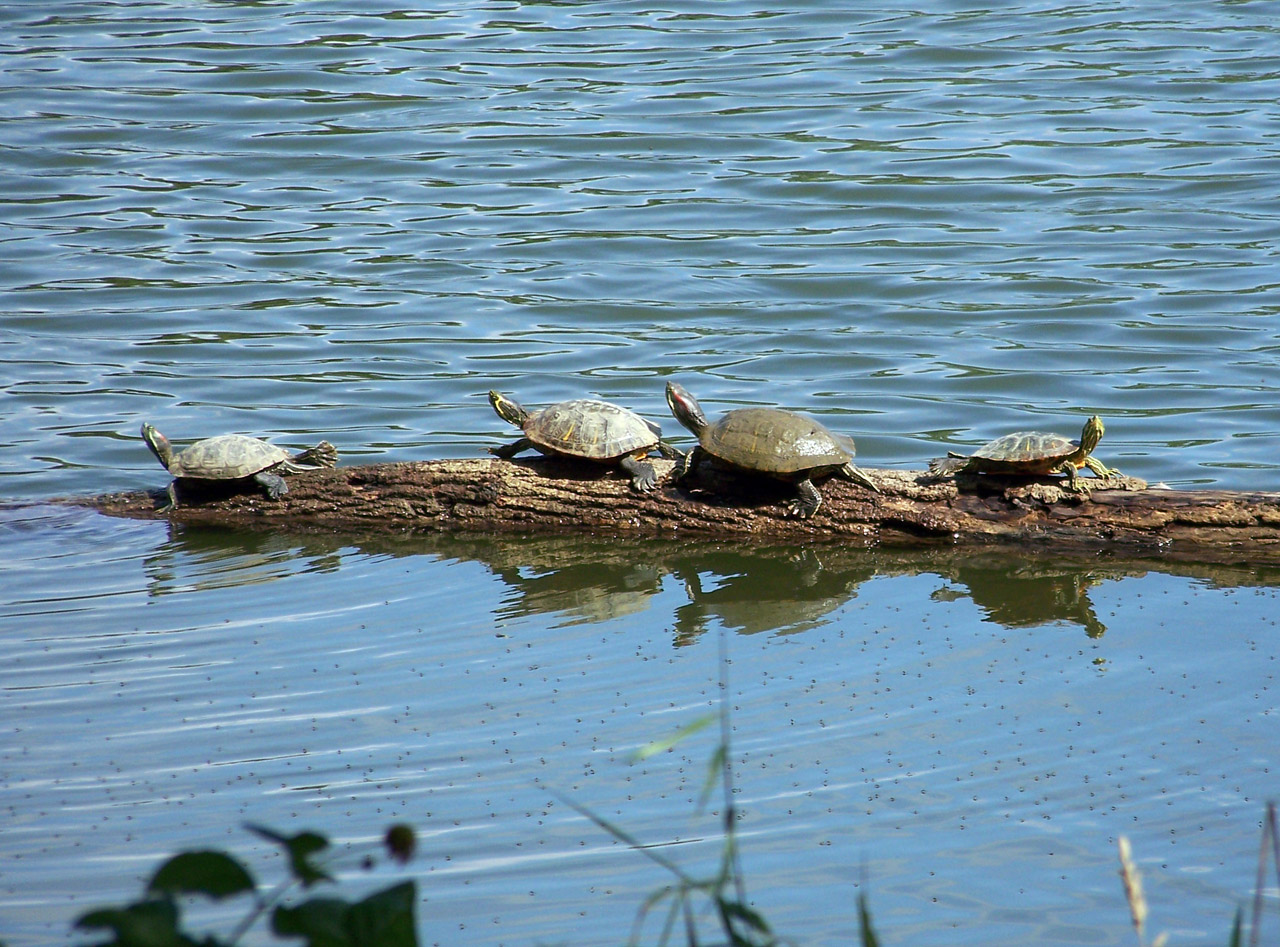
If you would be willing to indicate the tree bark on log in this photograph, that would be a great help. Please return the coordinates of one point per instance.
(543, 495)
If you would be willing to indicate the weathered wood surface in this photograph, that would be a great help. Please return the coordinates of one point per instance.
(539, 495)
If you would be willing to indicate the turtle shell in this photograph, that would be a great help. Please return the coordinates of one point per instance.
(1025, 451)
(226, 457)
(776, 442)
(595, 430)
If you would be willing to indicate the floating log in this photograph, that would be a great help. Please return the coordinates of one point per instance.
(543, 496)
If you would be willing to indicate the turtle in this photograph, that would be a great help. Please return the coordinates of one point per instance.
(779, 444)
(587, 429)
(235, 457)
(1030, 453)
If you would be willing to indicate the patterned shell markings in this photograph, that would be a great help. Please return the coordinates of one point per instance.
(775, 442)
(226, 457)
(596, 430)
(1026, 451)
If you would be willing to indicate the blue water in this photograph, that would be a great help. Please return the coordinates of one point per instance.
(928, 227)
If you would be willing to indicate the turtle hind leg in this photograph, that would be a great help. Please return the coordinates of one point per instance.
(807, 500)
(323, 454)
(272, 483)
(507, 451)
(643, 477)
(851, 472)
(953, 463)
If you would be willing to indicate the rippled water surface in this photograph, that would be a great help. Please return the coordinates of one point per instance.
(927, 226)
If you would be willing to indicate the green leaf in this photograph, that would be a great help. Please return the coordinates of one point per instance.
(749, 916)
(212, 874)
(149, 923)
(869, 938)
(715, 771)
(661, 746)
(321, 922)
(299, 848)
(384, 919)
(1237, 933)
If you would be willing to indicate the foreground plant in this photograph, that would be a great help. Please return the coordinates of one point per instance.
(383, 919)
(1138, 910)
(724, 891)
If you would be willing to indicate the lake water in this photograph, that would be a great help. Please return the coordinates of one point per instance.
(926, 226)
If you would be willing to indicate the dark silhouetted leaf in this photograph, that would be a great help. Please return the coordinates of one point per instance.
(212, 874)
(869, 938)
(384, 919)
(150, 923)
(320, 922)
(299, 848)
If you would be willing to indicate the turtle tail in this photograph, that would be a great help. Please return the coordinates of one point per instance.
(323, 454)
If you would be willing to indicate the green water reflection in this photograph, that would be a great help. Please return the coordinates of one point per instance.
(741, 588)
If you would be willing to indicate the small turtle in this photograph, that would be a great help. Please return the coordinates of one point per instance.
(589, 430)
(779, 444)
(1030, 453)
(235, 457)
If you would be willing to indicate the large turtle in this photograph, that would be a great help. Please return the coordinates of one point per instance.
(235, 457)
(779, 444)
(589, 430)
(1031, 452)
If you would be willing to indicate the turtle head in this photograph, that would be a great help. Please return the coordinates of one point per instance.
(510, 411)
(685, 408)
(1092, 433)
(159, 445)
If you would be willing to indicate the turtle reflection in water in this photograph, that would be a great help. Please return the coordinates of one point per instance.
(768, 441)
(1030, 453)
(587, 430)
(230, 457)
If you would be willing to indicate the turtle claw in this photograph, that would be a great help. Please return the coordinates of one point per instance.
(643, 477)
(806, 502)
(798, 510)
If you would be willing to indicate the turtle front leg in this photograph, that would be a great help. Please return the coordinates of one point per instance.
(507, 451)
(272, 483)
(689, 464)
(1101, 469)
(172, 494)
(643, 477)
(807, 501)
(1073, 476)
(670, 452)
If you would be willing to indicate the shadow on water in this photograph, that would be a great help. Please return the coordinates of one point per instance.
(749, 590)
